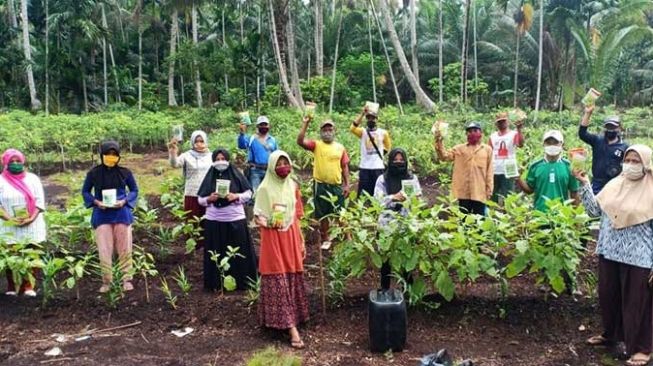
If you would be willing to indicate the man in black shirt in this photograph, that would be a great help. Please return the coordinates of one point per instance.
(607, 150)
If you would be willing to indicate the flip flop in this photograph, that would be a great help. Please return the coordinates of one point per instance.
(299, 344)
(638, 359)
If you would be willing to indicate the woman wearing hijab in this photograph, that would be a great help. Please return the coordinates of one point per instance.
(625, 249)
(104, 184)
(390, 192)
(225, 223)
(195, 163)
(278, 209)
(22, 203)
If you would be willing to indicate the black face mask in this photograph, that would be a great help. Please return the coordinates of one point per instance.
(611, 135)
(371, 125)
(398, 168)
(263, 130)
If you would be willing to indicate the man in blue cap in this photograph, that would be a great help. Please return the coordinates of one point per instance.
(607, 150)
(473, 172)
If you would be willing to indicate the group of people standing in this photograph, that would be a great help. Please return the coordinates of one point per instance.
(620, 193)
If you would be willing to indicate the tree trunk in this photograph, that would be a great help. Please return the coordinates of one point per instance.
(105, 86)
(475, 52)
(292, 61)
(369, 33)
(84, 92)
(283, 76)
(34, 101)
(463, 56)
(319, 38)
(174, 28)
(113, 60)
(422, 98)
(181, 74)
(242, 42)
(335, 63)
(198, 82)
(440, 47)
(539, 62)
(387, 58)
(413, 40)
(224, 44)
(515, 91)
(140, 67)
(47, 59)
(258, 65)
(12, 14)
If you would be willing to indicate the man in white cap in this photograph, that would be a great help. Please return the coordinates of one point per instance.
(607, 150)
(330, 173)
(550, 178)
(259, 147)
(374, 144)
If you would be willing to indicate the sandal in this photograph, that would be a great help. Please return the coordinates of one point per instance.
(298, 344)
(638, 359)
(598, 340)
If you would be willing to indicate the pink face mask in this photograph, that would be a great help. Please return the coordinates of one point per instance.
(283, 171)
(474, 137)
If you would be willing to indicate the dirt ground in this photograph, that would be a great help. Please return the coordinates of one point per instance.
(532, 330)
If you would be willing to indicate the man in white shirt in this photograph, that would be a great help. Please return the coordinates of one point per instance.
(504, 143)
(374, 144)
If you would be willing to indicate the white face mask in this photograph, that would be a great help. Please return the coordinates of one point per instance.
(633, 171)
(221, 165)
(553, 150)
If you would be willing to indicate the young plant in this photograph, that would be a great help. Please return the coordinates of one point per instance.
(76, 267)
(227, 282)
(253, 292)
(52, 265)
(144, 266)
(182, 281)
(116, 291)
(167, 292)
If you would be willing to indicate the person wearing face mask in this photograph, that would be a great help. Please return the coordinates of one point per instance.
(550, 178)
(374, 143)
(504, 143)
(259, 147)
(282, 302)
(607, 150)
(330, 173)
(195, 163)
(388, 191)
(22, 204)
(473, 173)
(625, 250)
(225, 223)
(112, 222)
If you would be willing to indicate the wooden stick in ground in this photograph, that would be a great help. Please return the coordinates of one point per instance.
(57, 360)
(116, 328)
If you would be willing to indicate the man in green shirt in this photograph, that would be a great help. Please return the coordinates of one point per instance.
(550, 177)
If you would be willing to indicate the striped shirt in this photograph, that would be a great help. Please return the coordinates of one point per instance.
(10, 198)
(195, 167)
(631, 245)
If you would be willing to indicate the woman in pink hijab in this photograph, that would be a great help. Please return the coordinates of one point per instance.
(22, 203)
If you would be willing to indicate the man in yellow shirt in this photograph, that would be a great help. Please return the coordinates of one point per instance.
(374, 144)
(330, 172)
(473, 174)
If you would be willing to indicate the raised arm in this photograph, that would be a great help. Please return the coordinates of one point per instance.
(583, 134)
(243, 139)
(301, 140)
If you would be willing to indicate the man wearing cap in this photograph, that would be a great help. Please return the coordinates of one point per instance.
(504, 143)
(550, 178)
(607, 150)
(259, 147)
(374, 144)
(473, 178)
(330, 173)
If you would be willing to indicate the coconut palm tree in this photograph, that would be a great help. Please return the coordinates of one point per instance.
(35, 103)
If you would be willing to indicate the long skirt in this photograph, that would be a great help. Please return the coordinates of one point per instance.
(243, 268)
(282, 301)
(196, 210)
(626, 305)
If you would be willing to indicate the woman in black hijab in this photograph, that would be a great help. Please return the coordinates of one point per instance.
(225, 224)
(392, 188)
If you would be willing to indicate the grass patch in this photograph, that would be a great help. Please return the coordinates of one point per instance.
(273, 357)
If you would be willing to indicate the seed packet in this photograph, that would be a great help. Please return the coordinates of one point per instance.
(409, 188)
(512, 169)
(310, 110)
(244, 118)
(178, 132)
(109, 197)
(590, 98)
(578, 158)
(222, 187)
(20, 211)
(441, 127)
(278, 214)
(372, 107)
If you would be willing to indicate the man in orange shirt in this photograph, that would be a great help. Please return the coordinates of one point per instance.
(473, 173)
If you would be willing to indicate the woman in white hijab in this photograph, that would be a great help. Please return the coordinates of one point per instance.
(625, 250)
